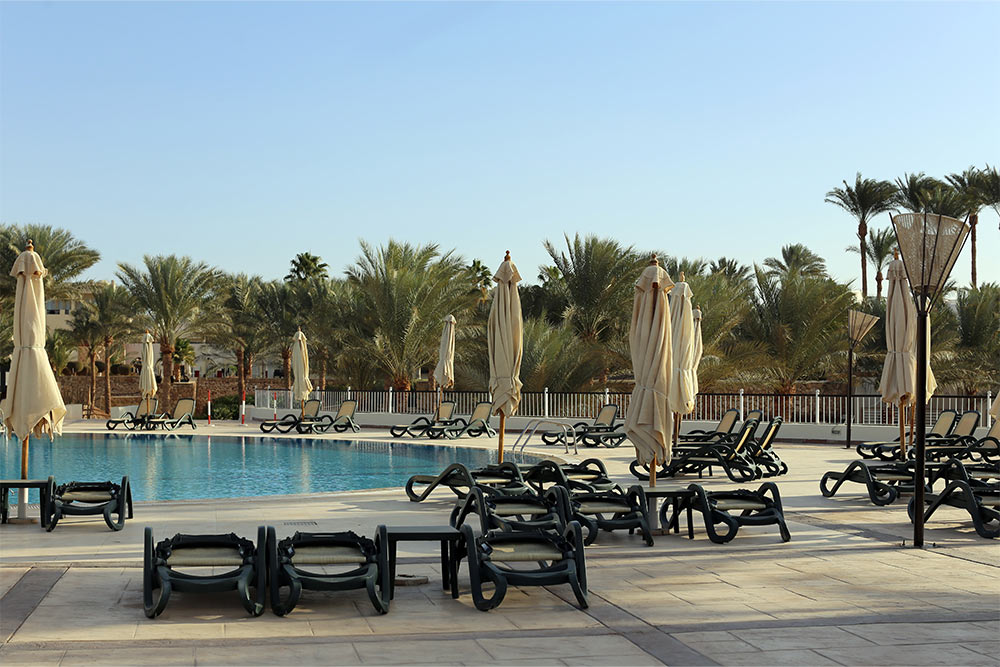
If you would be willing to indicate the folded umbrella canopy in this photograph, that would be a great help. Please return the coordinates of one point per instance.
(33, 404)
(699, 347)
(505, 333)
(301, 386)
(683, 381)
(995, 409)
(899, 371)
(147, 375)
(649, 421)
(444, 372)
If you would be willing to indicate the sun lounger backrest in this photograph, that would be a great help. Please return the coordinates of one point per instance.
(311, 408)
(607, 415)
(967, 424)
(445, 411)
(480, 412)
(728, 421)
(944, 424)
(347, 409)
(994, 431)
(147, 407)
(770, 433)
(756, 415)
(184, 406)
(749, 426)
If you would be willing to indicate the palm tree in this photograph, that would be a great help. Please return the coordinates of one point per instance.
(796, 260)
(799, 325)
(59, 347)
(64, 256)
(307, 266)
(971, 184)
(599, 275)
(967, 339)
(403, 293)
(172, 292)
(281, 308)
(731, 269)
(990, 188)
(113, 310)
(864, 201)
(237, 323)
(85, 333)
(879, 247)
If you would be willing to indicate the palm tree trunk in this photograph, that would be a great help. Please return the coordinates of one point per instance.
(973, 220)
(286, 366)
(93, 380)
(862, 234)
(322, 372)
(108, 342)
(248, 356)
(167, 355)
(241, 372)
(878, 284)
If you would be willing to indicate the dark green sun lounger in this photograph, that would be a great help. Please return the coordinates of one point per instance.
(90, 499)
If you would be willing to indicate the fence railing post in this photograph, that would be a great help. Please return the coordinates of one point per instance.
(348, 392)
(986, 408)
(817, 406)
(741, 405)
(390, 401)
(606, 396)
(545, 403)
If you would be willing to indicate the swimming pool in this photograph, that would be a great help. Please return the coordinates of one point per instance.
(181, 467)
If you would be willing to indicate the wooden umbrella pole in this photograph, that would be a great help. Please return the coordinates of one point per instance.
(911, 426)
(503, 424)
(902, 429)
(652, 472)
(24, 457)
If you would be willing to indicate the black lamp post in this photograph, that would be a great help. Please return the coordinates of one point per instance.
(929, 244)
(858, 326)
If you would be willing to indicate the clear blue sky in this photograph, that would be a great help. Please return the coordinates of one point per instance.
(243, 133)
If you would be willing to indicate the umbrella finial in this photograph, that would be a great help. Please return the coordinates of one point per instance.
(895, 253)
(30, 246)
(653, 261)
(506, 257)
(682, 277)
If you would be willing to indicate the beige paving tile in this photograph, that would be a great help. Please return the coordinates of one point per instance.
(398, 652)
(301, 653)
(8, 577)
(178, 655)
(42, 657)
(776, 639)
(550, 647)
(923, 633)
(610, 660)
(935, 654)
(794, 658)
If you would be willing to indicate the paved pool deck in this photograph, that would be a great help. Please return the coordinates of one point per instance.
(843, 591)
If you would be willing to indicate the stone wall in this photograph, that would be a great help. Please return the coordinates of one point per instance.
(125, 389)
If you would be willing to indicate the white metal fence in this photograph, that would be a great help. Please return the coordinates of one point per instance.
(815, 408)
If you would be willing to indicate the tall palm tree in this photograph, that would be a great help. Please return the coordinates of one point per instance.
(86, 334)
(282, 309)
(237, 323)
(971, 184)
(599, 275)
(866, 199)
(796, 260)
(65, 257)
(114, 316)
(879, 247)
(990, 188)
(172, 292)
(403, 293)
(307, 266)
(971, 354)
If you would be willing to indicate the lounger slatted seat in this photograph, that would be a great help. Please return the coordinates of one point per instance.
(684, 446)
(725, 426)
(309, 414)
(247, 563)
(594, 500)
(459, 479)
(589, 433)
(135, 418)
(942, 427)
(940, 449)
(726, 453)
(366, 563)
(90, 499)
(735, 509)
(477, 425)
(967, 490)
(344, 419)
(507, 512)
(443, 417)
(885, 482)
(499, 557)
(183, 414)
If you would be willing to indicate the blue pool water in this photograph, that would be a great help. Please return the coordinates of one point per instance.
(179, 467)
